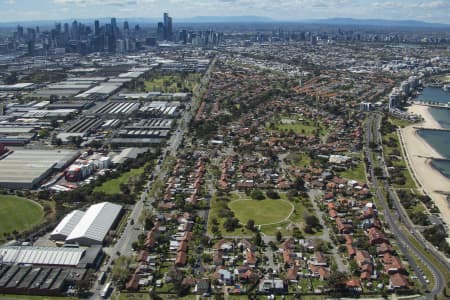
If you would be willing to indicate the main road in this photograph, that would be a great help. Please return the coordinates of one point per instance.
(373, 137)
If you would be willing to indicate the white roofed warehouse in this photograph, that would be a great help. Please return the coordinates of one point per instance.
(66, 226)
(90, 227)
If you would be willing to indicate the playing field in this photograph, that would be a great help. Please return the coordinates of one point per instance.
(261, 211)
(18, 214)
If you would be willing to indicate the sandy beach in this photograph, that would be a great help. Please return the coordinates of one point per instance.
(418, 153)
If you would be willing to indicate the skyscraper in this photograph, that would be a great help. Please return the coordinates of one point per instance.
(114, 26)
(96, 27)
(168, 30)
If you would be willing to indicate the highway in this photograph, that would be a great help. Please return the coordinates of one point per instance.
(395, 219)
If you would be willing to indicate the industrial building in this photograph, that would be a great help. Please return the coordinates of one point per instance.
(162, 108)
(112, 108)
(25, 169)
(28, 280)
(66, 226)
(52, 256)
(81, 168)
(90, 227)
(45, 270)
(151, 124)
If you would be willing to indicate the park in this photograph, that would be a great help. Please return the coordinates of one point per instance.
(18, 215)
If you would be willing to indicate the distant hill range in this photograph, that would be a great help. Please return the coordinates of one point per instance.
(249, 20)
(377, 22)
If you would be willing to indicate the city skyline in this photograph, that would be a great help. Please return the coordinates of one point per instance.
(291, 10)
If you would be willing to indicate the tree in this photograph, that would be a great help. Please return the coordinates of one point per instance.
(215, 229)
(337, 282)
(353, 267)
(250, 225)
(75, 140)
(299, 184)
(312, 221)
(272, 194)
(124, 188)
(258, 239)
(257, 195)
(279, 236)
(96, 144)
(121, 270)
(82, 287)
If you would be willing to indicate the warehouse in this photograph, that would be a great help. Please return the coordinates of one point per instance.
(65, 227)
(152, 124)
(52, 256)
(118, 108)
(84, 125)
(25, 169)
(95, 224)
(48, 256)
(103, 90)
(28, 280)
(161, 108)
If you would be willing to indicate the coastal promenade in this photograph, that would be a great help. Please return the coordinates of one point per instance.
(419, 153)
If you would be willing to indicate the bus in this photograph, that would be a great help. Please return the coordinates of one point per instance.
(102, 277)
(106, 290)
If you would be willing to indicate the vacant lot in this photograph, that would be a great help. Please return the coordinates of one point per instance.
(18, 214)
(112, 186)
(172, 83)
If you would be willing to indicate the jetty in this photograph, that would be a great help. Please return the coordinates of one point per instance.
(432, 104)
(432, 129)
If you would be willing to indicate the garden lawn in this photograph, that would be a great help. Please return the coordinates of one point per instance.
(18, 214)
(261, 211)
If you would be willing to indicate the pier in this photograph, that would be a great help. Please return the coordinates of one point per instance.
(432, 129)
(432, 104)
(434, 158)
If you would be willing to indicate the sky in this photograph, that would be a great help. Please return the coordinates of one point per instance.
(31, 10)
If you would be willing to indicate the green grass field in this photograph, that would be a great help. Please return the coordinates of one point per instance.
(298, 124)
(18, 214)
(401, 164)
(112, 186)
(261, 211)
(399, 122)
(172, 83)
(356, 173)
(299, 159)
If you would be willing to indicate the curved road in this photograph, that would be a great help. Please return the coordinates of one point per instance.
(395, 219)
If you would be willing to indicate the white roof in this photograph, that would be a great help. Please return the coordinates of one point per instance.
(96, 222)
(67, 224)
(41, 255)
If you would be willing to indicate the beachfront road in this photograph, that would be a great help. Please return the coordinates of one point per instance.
(373, 137)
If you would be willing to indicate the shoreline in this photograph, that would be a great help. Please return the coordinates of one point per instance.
(418, 155)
